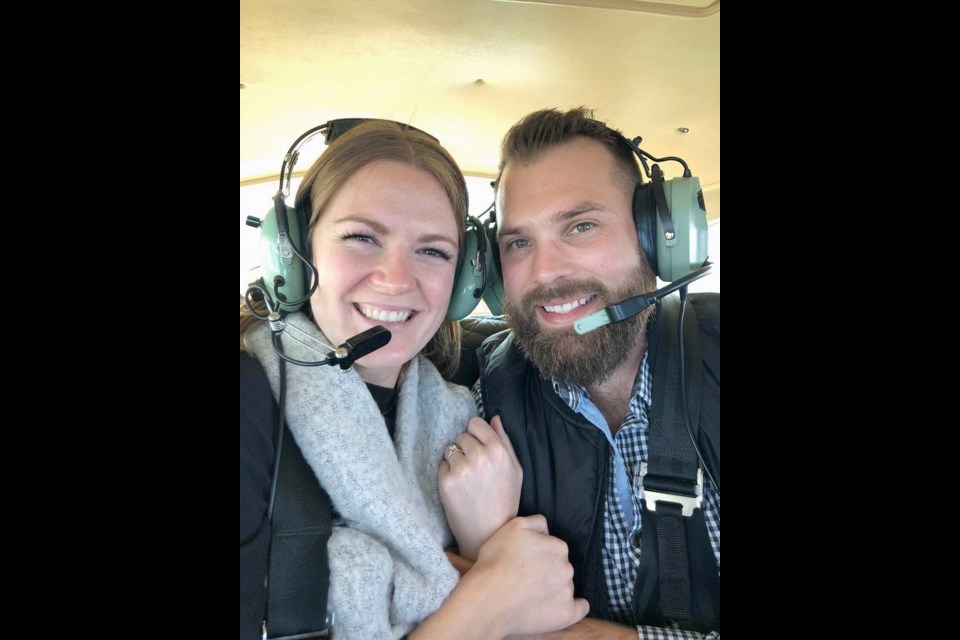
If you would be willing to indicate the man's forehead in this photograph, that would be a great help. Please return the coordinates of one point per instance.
(558, 184)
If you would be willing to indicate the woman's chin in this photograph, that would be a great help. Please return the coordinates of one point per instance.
(384, 362)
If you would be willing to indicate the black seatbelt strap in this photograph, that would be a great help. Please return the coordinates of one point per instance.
(672, 482)
(299, 576)
(674, 566)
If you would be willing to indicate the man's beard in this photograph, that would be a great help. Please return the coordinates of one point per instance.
(582, 360)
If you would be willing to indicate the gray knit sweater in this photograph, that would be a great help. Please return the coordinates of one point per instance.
(387, 567)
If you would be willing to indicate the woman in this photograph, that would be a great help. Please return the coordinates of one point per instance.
(387, 209)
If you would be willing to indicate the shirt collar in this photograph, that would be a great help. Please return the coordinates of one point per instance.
(574, 395)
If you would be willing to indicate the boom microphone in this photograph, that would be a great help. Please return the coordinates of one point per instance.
(632, 306)
(361, 345)
(345, 355)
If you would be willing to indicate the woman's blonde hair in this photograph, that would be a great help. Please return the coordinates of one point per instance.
(368, 142)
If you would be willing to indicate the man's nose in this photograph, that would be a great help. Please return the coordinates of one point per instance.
(551, 262)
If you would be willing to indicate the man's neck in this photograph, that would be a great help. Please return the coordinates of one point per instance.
(612, 396)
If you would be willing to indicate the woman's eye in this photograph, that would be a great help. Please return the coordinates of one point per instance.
(360, 237)
(438, 253)
(581, 227)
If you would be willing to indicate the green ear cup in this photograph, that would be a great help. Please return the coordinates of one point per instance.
(272, 265)
(688, 249)
(467, 280)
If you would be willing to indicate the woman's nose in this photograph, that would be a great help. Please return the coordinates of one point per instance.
(393, 274)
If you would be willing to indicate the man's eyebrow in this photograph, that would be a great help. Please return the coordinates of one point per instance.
(560, 216)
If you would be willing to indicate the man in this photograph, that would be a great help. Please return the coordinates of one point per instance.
(578, 408)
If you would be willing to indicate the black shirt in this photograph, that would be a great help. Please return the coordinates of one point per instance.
(386, 399)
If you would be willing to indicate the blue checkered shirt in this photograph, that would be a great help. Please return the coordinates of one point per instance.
(622, 543)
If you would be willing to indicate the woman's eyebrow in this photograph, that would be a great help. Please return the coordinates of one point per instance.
(437, 237)
(383, 230)
(373, 224)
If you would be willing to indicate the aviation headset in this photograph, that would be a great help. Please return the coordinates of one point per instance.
(286, 261)
(669, 215)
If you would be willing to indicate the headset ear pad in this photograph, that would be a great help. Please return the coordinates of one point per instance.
(292, 273)
(493, 294)
(687, 250)
(645, 219)
(467, 280)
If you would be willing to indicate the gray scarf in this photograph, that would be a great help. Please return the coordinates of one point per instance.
(387, 567)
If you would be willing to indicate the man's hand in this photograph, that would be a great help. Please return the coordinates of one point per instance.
(461, 564)
(587, 629)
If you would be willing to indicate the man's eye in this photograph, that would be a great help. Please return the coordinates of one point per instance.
(580, 227)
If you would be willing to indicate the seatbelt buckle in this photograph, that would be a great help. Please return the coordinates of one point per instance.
(326, 632)
(687, 503)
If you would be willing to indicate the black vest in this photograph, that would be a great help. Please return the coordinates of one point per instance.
(565, 472)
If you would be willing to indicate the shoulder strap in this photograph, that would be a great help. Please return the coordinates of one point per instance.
(672, 484)
(299, 574)
(672, 465)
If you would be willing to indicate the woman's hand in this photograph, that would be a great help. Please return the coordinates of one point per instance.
(532, 575)
(522, 583)
(480, 487)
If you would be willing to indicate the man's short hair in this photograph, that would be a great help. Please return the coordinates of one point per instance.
(540, 131)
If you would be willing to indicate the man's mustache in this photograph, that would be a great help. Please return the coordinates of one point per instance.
(542, 294)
